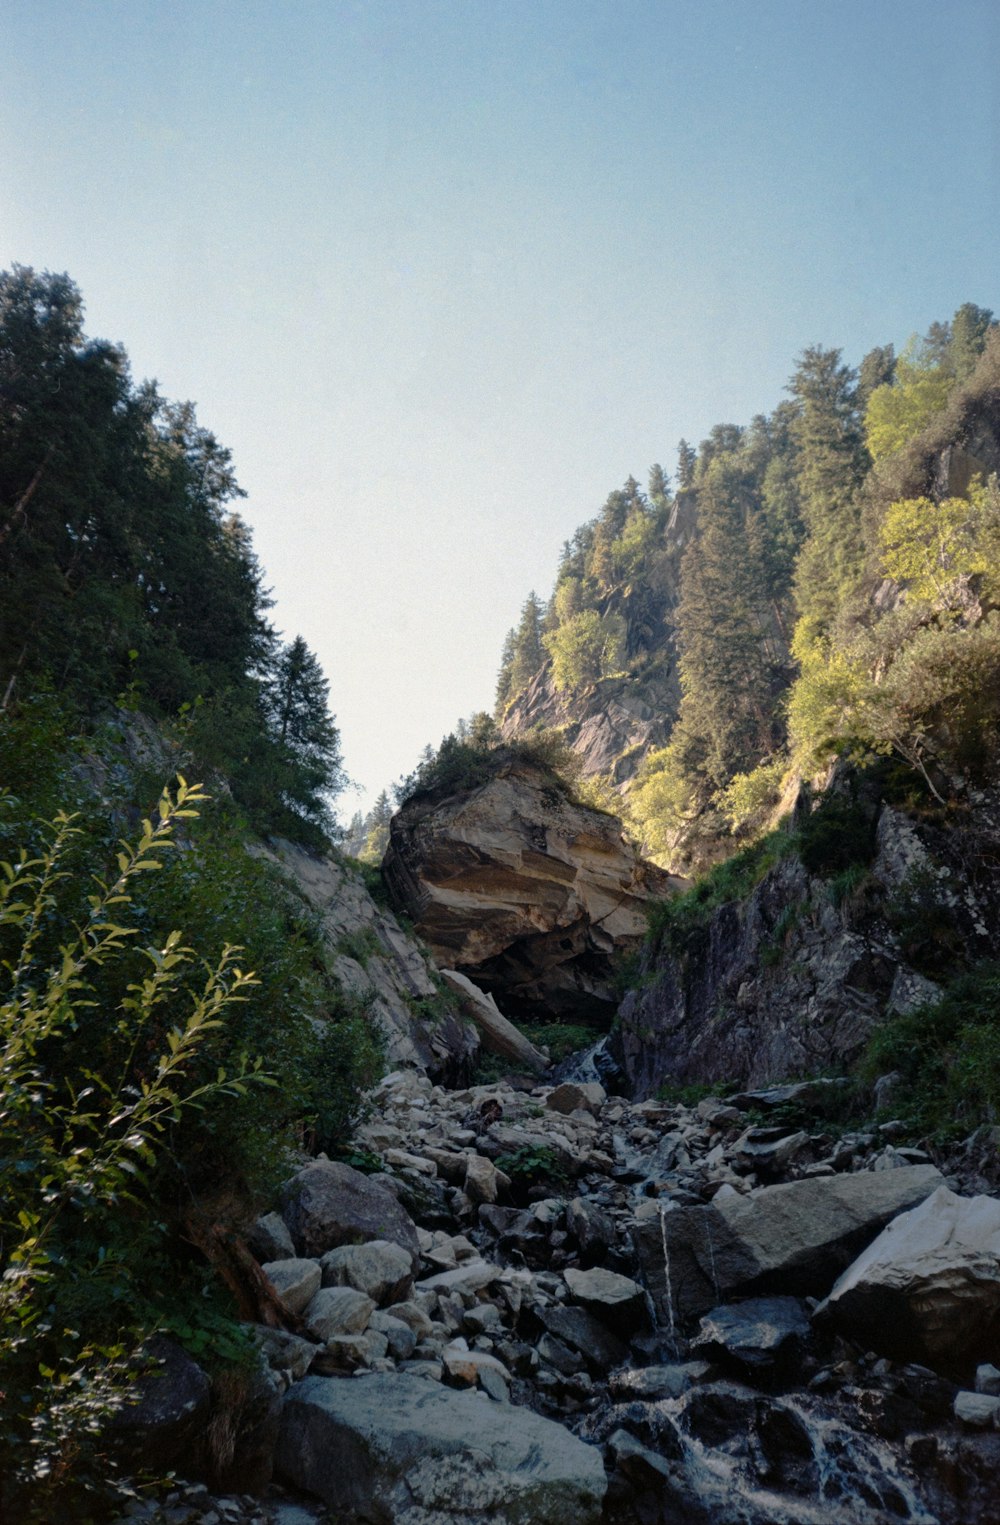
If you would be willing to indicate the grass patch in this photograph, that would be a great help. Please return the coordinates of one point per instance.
(672, 921)
(561, 1038)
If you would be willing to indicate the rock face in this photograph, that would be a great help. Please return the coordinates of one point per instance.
(396, 1448)
(527, 893)
(375, 960)
(785, 982)
(929, 1286)
(785, 1239)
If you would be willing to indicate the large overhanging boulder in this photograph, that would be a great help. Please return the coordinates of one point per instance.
(527, 892)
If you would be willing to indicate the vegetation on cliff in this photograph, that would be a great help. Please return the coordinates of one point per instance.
(753, 585)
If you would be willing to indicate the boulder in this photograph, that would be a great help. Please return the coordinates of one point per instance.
(574, 1096)
(497, 1035)
(338, 1310)
(165, 1409)
(526, 891)
(395, 1447)
(295, 1281)
(380, 1269)
(760, 1332)
(583, 1332)
(929, 1286)
(794, 1238)
(327, 1204)
(617, 1300)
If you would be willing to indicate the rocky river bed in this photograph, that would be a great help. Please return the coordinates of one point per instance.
(545, 1304)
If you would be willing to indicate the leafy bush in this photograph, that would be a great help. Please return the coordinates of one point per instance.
(81, 1140)
(948, 1054)
(533, 1165)
(561, 1038)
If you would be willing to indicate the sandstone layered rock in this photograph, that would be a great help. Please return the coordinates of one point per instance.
(524, 891)
(794, 1238)
(399, 1448)
(928, 1288)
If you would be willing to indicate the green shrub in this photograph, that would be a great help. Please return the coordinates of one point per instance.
(929, 932)
(561, 1038)
(672, 921)
(948, 1054)
(838, 835)
(82, 1135)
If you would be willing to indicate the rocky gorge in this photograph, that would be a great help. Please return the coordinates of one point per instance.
(548, 1304)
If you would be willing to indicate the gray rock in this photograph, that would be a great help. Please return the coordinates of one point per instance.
(380, 1269)
(399, 1448)
(585, 1333)
(338, 1310)
(328, 1204)
(269, 1239)
(928, 1288)
(618, 1300)
(652, 1383)
(165, 1408)
(482, 1179)
(761, 1332)
(794, 1238)
(402, 1339)
(979, 1411)
(573, 1096)
(988, 1380)
(471, 1277)
(285, 1352)
(296, 1281)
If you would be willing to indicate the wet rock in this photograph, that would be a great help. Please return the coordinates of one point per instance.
(327, 1204)
(792, 1238)
(929, 1285)
(399, 1448)
(652, 1383)
(760, 1332)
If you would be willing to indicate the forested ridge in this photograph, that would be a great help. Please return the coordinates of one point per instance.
(822, 580)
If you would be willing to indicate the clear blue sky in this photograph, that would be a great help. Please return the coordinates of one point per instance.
(441, 273)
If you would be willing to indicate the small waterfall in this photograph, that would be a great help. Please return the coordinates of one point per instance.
(663, 1210)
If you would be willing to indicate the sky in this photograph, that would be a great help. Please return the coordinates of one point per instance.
(443, 273)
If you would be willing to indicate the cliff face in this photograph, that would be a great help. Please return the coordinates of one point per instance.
(792, 979)
(376, 961)
(529, 894)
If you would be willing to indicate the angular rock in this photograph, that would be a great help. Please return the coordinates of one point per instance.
(761, 1332)
(402, 1339)
(462, 1366)
(929, 1286)
(592, 1229)
(295, 1281)
(380, 1269)
(498, 1036)
(338, 1310)
(285, 1352)
(652, 1383)
(268, 1239)
(471, 1277)
(794, 1238)
(618, 1300)
(583, 1332)
(575, 1096)
(327, 1204)
(980, 1411)
(482, 1179)
(398, 1448)
(988, 1380)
